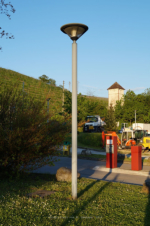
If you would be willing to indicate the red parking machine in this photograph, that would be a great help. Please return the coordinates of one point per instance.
(111, 152)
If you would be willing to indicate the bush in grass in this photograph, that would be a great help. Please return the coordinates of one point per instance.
(90, 139)
(25, 135)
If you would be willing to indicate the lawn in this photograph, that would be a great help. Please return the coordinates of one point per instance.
(87, 140)
(98, 203)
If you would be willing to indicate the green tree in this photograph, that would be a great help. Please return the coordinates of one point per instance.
(85, 106)
(125, 109)
(46, 79)
(110, 120)
(119, 112)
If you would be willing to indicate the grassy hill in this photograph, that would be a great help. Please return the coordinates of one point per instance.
(105, 99)
(36, 88)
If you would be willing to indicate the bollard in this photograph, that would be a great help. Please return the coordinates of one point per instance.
(136, 158)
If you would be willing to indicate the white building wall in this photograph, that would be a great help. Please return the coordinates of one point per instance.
(114, 95)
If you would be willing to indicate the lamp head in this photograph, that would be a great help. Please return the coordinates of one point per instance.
(74, 30)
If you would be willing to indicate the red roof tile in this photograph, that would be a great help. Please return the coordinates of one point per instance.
(116, 86)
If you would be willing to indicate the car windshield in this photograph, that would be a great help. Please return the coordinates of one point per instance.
(91, 119)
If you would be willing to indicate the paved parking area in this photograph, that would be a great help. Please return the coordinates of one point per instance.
(97, 170)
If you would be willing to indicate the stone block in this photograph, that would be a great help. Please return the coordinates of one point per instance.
(65, 174)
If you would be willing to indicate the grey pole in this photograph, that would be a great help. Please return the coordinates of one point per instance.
(47, 108)
(74, 120)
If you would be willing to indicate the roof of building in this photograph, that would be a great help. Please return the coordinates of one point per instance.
(116, 86)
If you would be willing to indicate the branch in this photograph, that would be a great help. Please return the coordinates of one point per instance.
(4, 10)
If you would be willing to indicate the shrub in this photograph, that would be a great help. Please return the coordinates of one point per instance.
(91, 139)
(25, 135)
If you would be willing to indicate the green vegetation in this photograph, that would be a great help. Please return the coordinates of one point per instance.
(98, 203)
(87, 140)
(36, 88)
(47, 80)
(110, 120)
(86, 106)
(90, 139)
(125, 109)
(28, 132)
(40, 90)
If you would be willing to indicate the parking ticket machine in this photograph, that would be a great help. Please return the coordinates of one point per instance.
(111, 151)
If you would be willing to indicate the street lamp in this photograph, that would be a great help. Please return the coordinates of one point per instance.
(74, 31)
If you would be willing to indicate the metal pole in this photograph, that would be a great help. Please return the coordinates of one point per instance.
(74, 120)
(47, 109)
(63, 98)
(23, 93)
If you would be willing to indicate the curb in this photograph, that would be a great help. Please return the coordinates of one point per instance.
(101, 150)
(122, 171)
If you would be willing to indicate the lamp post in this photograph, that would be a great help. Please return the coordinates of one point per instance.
(74, 31)
(48, 107)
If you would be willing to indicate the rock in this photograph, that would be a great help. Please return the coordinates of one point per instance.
(146, 187)
(65, 174)
(86, 152)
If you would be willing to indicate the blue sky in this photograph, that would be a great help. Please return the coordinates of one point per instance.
(116, 48)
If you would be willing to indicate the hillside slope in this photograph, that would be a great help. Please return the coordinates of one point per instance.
(36, 88)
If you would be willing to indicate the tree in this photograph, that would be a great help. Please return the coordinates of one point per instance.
(52, 82)
(85, 106)
(26, 137)
(110, 120)
(125, 109)
(4, 10)
(47, 80)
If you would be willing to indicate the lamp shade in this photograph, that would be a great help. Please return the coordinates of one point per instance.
(74, 30)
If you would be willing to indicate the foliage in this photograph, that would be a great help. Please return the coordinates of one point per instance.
(47, 80)
(90, 139)
(110, 120)
(27, 132)
(125, 109)
(86, 106)
(99, 202)
(4, 10)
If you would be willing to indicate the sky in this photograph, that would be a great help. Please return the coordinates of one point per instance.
(116, 47)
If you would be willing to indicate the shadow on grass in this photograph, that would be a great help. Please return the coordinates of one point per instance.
(147, 211)
(86, 202)
(24, 184)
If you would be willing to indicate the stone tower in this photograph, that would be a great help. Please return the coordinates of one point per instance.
(115, 92)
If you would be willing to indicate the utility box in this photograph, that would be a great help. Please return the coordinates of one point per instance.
(136, 158)
(111, 152)
(66, 148)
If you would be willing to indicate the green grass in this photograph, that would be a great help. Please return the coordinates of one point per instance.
(98, 203)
